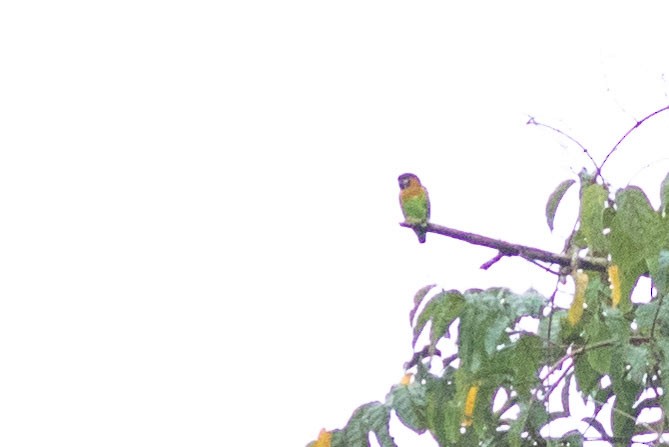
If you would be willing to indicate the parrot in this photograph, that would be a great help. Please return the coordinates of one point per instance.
(415, 203)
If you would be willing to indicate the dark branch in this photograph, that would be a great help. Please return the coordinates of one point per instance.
(509, 249)
(420, 355)
(486, 265)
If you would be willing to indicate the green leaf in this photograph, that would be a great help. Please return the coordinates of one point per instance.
(637, 357)
(533, 417)
(338, 438)
(356, 431)
(373, 416)
(637, 218)
(483, 417)
(478, 316)
(528, 304)
(593, 203)
(554, 200)
(571, 439)
(586, 377)
(486, 318)
(618, 326)
(469, 439)
(637, 235)
(418, 299)
(554, 328)
(604, 394)
(664, 195)
(659, 272)
(599, 355)
(408, 401)
(516, 428)
(627, 393)
(623, 410)
(441, 310)
(346, 438)
(593, 295)
(527, 356)
(647, 314)
(664, 401)
(663, 348)
(442, 412)
(494, 332)
(538, 416)
(379, 418)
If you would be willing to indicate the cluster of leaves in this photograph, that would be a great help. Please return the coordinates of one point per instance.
(490, 357)
(626, 228)
(496, 389)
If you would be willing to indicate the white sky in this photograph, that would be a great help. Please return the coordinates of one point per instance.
(199, 238)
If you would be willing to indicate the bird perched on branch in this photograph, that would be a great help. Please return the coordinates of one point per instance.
(415, 203)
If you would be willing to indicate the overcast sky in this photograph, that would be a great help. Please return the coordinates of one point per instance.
(200, 240)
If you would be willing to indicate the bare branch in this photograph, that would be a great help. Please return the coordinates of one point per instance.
(638, 123)
(509, 249)
(420, 355)
(583, 148)
(489, 263)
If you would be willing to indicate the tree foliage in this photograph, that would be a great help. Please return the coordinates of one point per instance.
(517, 353)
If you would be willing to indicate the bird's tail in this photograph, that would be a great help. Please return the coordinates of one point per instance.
(421, 235)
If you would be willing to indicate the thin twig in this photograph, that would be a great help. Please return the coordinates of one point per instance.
(657, 314)
(631, 417)
(638, 123)
(583, 148)
(582, 349)
(419, 356)
(551, 300)
(486, 265)
(543, 267)
(562, 376)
